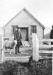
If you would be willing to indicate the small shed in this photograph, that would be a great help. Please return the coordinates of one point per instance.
(27, 24)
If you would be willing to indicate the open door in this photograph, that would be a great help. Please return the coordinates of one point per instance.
(24, 33)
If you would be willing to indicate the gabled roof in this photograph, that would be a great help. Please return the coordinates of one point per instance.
(29, 14)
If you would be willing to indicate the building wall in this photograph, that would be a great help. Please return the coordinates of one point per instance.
(23, 19)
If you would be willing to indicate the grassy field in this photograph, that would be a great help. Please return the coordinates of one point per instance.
(42, 67)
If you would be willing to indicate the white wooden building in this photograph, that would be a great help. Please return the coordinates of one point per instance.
(27, 24)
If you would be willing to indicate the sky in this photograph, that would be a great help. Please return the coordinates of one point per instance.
(40, 9)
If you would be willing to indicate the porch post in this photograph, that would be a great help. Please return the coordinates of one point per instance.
(35, 43)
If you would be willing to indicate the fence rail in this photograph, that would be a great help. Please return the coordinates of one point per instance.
(45, 51)
(46, 48)
(47, 40)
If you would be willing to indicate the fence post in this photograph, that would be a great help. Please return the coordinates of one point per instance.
(2, 48)
(2, 55)
(35, 43)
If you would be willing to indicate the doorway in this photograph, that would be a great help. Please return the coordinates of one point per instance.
(24, 33)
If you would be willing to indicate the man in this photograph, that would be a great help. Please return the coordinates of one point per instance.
(51, 35)
(17, 37)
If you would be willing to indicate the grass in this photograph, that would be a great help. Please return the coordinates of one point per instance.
(42, 67)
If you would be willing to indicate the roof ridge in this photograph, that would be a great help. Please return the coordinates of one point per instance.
(28, 13)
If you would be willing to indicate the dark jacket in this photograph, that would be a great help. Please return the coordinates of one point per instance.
(51, 34)
(17, 36)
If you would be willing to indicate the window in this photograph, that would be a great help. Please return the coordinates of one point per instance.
(33, 29)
